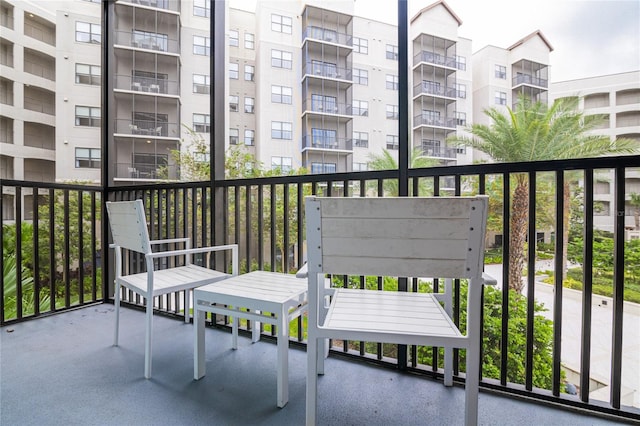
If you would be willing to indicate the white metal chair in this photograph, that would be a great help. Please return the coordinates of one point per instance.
(438, 237)
(129, 230)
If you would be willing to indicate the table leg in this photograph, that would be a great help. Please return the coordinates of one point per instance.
(198, 344)
(283, 361)
(255, 332)
(234, 331)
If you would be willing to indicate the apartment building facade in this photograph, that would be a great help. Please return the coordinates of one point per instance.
(616, 97)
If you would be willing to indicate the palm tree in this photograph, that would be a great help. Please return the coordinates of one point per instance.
(386, 161)
(537, 132)
(635, 202)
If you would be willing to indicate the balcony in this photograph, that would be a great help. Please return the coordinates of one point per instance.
(157, 43)
(156, 4)
(529, 80)
(434, 121)
(146, 128)
(326, 35)
(436, 89)
(327, 108)
(147, 85)
(594, 337)
(239, 387)
(145, 172)
(327, 71)
(310, 142)
(435, 59)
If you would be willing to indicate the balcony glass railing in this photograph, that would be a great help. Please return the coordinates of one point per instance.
(146, 128)
(147, 85)
(530, 80)
(327, 107)
(143, 171)
(435, 121)
(430, 88)
(328, 143)
(327, 71)
(157, 43)
(435, 58)
(327, 35)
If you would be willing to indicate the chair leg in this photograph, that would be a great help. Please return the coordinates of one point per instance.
(234, 331)
(312, 382)
(255, 331)
(187, 303)
(147, 349)
(117, 308)
(199, 365)
(471, 388)
(283, 359)
(323, 352)
(448, 366)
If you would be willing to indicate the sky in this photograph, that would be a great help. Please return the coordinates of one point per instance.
(589, 37)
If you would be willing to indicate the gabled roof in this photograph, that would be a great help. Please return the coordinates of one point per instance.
(432, 6)
(529, 37)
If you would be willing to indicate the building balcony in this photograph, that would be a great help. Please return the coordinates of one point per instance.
(529, 80)
(322, 70)
(146, 128)
(147, 85)
(439, 152)
(327, 108)
(310, 142)
(434, 89)
(173, 6)
(140, 172)
(325, 35)
(435, 58)
(432, 121)
(593, 347)
(157, 43)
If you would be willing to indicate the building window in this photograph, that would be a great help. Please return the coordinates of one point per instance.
(249, 41)
(233, 103)
(392, 52)
(283, 164)
(201, 45)
(201, 84)
(317, 168)
(361, 45)
(249, 137)
(88, 33)
(281, 59)
(361, 139)
(461, 63)
(281, 24)
(88, 74)
(233, 71)
(361, 76)
(361, 108)
(281, 94)
(501, 72)
(461, 118)
(461, 90)
(392, 112)
(392, 142)
(281, 130)
(501, 98)
(234, 136)
(201, 123)
(249, 105)
(88, 116)
(87, 158)
(249, 72)
(392, 82)
(360, 167)
(202, 8)
(234, 38)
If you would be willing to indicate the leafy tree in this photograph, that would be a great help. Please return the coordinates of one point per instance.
(386, 161)
(537, 132)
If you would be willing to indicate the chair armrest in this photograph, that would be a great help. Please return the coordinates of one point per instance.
(192, 250)
(170, 240)
(488, 279)
(303, 272)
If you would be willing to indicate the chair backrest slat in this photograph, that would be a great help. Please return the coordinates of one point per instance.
(129, 225)
(416, 236)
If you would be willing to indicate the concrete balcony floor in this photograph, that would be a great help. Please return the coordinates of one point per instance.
(63, 370)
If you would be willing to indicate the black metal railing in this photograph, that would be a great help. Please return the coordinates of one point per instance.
(265, 218)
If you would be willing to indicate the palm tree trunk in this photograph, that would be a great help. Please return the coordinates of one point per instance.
(566, 214)
(518, 234)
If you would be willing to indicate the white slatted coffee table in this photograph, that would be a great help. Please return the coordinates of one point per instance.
(262, 294)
